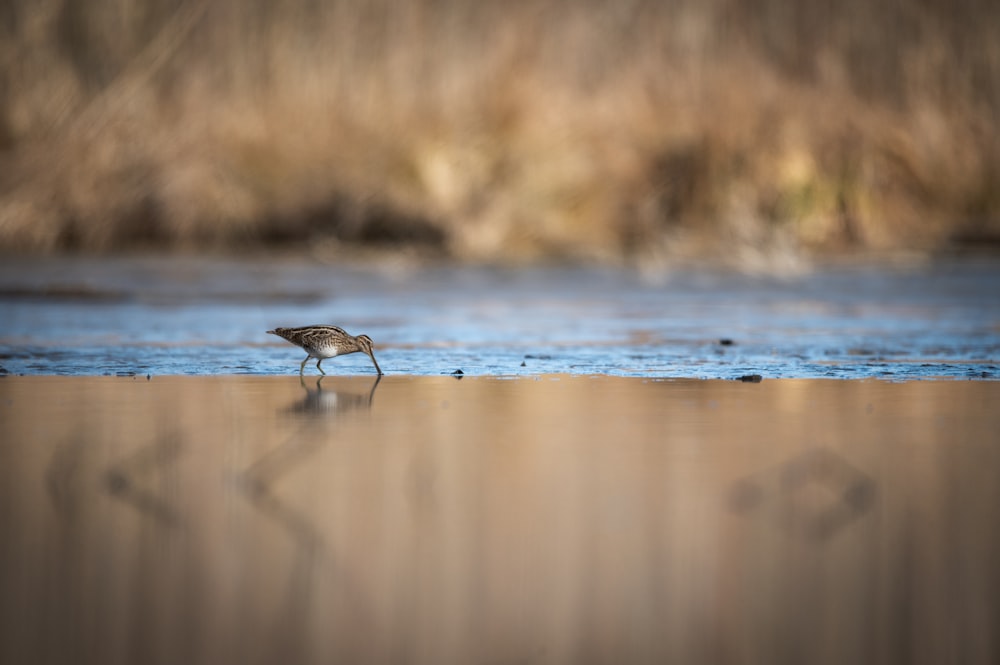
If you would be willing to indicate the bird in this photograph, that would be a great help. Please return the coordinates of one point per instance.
(322, 342)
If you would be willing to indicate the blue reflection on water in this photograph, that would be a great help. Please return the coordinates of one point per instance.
(208, 316)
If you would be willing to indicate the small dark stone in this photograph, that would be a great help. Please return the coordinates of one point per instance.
(524, 364)
(751, 378)
(725, 341)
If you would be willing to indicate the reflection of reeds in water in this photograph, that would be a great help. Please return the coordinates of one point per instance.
(586, 130)
(126, 479)
(259, 481)
(578, 519)
(62, 477)
(813, 495)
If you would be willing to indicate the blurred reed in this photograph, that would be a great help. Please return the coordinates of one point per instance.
(640, 131)
(560, 520)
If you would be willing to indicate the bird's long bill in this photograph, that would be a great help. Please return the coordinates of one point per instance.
(377, 368)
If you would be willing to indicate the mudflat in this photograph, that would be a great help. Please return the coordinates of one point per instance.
(549, 519)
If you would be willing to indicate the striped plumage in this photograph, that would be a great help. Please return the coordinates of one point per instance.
(322, 342)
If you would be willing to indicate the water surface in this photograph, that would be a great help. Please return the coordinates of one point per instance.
(553, 519)
(198, 315)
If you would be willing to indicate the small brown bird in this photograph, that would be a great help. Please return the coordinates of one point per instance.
(322, 342)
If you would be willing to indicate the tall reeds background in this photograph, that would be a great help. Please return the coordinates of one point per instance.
(641, 131)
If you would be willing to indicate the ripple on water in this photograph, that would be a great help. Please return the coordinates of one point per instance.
(210, 318)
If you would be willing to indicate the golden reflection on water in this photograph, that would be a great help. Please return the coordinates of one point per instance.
(552, 520)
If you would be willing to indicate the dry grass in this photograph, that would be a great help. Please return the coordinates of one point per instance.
(642, 132)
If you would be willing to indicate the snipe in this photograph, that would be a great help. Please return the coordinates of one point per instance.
(322, 342)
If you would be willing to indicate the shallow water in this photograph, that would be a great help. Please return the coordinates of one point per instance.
(191, 315)
(554, 519)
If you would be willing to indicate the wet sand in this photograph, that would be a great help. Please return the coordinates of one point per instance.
(551, 519)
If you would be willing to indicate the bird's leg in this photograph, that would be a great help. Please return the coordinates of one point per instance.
(318, 363)
(302, 367)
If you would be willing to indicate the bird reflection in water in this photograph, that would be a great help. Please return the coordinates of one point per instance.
(259, 481)
(342, 396)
